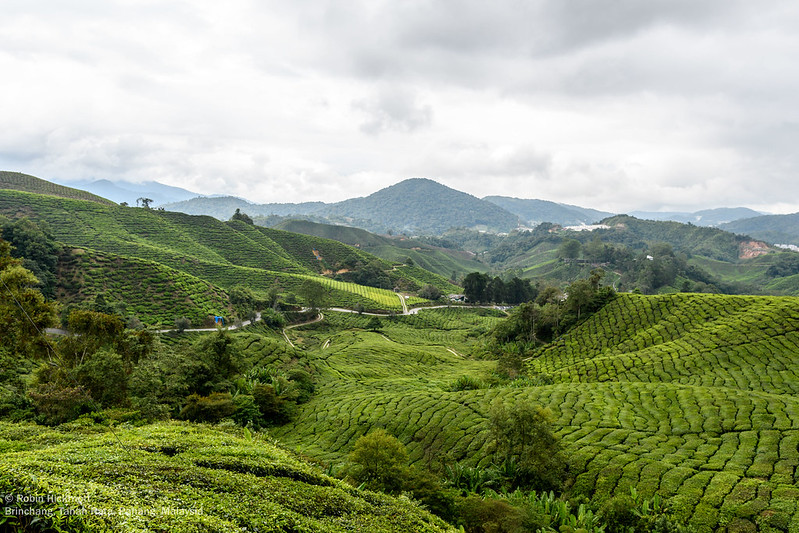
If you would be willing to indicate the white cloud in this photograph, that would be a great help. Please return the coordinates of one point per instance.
(619, 106)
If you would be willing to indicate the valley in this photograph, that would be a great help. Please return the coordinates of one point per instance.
(663, 387)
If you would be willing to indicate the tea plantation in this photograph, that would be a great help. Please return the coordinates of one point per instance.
(692, 397)
(180, 477)
(220, 255)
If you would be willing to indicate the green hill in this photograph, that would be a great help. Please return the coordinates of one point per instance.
(223, 254)
(689, 396)
(150, 291)
(778, 229)
(441, 261)
(17, 181)
(182, 477)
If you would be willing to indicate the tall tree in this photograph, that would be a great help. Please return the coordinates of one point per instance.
(24, 313)
(474, 286)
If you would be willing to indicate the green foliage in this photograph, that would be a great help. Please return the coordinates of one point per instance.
(24, 313)
(37, 249)
(211, 408)
(243, 217)
(467, 383)
(527, 446)
(380, 461)
(430, 292)
(56, 403)
(182, 324)
(313, 293)
(183, 478)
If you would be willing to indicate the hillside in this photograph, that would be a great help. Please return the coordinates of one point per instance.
(689, 396)
(442, 261)
(224, 254)
(776, 229)
(706, 217)
(181, 477)
(534, 212)
(16, 181)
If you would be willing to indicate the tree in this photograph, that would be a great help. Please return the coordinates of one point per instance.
(313, 293)
(380, 461)
(430, 292)
(144, 201)
(374, 324)
(569, 249)
(24, 313)
(474, 286)
(37, 248)
(243, 217)
(182, 324)
(495, 290)
(524, 440)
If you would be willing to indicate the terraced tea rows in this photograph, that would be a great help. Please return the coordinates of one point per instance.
(724, 452)
(748, 343)
(184, 478)
(150, 291)
(223, 254)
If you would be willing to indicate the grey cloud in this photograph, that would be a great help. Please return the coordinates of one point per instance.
(393, 109)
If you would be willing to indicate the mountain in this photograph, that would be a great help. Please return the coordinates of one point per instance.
(706, 217)
(423, 206)
(777, 229)
(129, 192)
(536, 211)
(413, 206)
(17, 181)
(223, 207)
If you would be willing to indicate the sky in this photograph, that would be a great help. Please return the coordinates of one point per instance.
(617, 105)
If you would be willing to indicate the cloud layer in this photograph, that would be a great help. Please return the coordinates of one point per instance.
(617, 105)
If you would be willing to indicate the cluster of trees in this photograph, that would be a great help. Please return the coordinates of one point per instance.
(552, 313)
(786, 264)
(482, 288)
(104, 364)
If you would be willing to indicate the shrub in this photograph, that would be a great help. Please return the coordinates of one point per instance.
(466, 383)
(56, 404)
(212, 408)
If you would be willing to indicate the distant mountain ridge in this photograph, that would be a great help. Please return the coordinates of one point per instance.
(706, 217)
(413, 206)
(129, 192)
(776, 229)
(537, 211)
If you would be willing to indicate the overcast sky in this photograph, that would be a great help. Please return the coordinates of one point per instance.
(612, 104)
